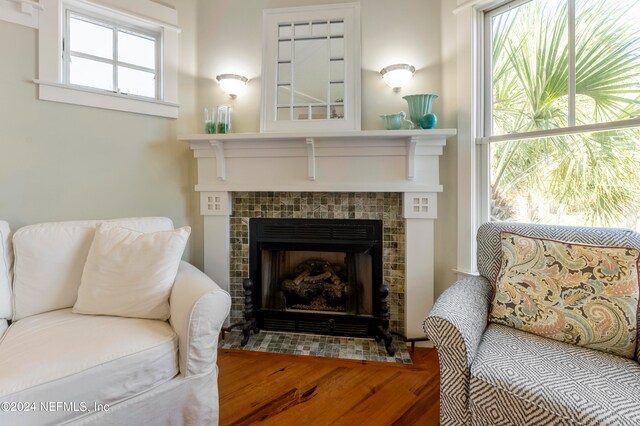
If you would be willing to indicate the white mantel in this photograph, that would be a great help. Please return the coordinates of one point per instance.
(375, 160)
(405, 161)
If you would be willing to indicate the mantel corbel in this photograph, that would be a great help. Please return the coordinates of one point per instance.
(412, 142)
(218, 149)
(311, 158)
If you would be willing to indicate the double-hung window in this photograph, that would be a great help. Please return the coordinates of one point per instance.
(562, 112)
(110, 56)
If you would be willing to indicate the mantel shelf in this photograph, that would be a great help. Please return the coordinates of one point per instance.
(366, 143)
(324, 136)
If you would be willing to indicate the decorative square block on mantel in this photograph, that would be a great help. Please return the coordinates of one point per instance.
(377, 161)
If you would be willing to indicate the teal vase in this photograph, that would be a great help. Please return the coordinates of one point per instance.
(419, 106)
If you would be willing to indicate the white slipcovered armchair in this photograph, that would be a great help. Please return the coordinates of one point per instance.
(58, 367)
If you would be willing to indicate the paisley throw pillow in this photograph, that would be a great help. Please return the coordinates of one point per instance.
(578, 294)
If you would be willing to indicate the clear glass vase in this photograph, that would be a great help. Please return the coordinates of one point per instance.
(224, 119)
(209, 122)
(419, 106)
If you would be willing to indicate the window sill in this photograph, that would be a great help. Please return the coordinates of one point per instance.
(462, 273)
(64, 93)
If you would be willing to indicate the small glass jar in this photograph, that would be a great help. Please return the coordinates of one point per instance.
(224, 119)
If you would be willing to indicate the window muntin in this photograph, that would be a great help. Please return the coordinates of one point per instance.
(109, 56)
(563, 79)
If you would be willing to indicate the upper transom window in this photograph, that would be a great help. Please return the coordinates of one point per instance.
(113, 54)
(109, 56)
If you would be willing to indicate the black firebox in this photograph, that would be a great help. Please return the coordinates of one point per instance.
(320, 276)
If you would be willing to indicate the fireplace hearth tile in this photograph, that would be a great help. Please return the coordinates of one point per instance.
(364, 349)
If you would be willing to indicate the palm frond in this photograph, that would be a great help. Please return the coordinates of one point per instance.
(595, 175)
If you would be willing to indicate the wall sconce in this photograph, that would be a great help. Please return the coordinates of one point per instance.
(232, 84)
(397, 75)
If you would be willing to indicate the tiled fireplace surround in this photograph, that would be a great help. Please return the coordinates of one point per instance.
(320, 205)
(388, 175)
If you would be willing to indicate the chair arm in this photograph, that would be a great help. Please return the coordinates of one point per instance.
(464, 307)
(455, 325)
(3, 327)
(198, 310)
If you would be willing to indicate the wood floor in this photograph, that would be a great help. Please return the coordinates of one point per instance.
(275, 389)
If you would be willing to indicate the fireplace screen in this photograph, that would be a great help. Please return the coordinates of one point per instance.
(317, 276)
(319, 281)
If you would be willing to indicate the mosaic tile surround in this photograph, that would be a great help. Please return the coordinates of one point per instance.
(386, 206)
(316, 345)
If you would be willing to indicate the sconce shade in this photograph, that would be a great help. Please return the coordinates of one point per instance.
(397, 75)
(232, 84)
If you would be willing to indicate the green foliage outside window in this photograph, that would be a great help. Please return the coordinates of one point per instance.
(587, 178)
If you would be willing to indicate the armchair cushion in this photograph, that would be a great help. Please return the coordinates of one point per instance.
(574, 293)
(50, 258)
(490, 244)
(130, 273)
(61, 356)
(520, 378)
(490, 248)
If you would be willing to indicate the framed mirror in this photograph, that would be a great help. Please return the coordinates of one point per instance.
(311, 69)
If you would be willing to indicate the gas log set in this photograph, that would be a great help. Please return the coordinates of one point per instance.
(317, 286)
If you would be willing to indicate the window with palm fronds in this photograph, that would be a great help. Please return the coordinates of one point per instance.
(563, 111)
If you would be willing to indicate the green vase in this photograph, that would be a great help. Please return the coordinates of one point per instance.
(419, 106)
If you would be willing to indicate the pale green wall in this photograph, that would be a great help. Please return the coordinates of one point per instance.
(63, 162)
(446, 231)
(66, 162)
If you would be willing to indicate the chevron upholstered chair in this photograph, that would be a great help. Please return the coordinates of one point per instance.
(496, 375)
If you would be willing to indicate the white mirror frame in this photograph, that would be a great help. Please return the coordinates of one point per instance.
(350, 14)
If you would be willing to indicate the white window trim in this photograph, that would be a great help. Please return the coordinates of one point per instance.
(470, 176)
(146, 13)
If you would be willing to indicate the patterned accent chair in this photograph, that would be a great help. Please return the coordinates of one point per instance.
(491, 374)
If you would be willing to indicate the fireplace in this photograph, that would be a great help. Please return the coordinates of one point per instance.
(392, 176)
(317, 276)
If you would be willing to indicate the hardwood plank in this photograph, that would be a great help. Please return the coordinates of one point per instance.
(275, 379)
(340, 393)
(278, 389)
